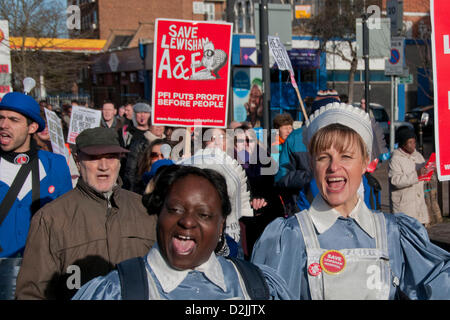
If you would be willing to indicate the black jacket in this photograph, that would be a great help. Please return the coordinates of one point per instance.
(137, 146)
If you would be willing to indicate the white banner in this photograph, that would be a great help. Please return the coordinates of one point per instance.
(5, 59)
(80, 119)
(279, 53)
(55, 132)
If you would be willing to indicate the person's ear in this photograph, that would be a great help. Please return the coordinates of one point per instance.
(77, 159)
(33, 128)
(366, 163)
(222, 228)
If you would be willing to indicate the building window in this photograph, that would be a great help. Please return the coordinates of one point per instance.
(94, 16)
(243, 16)
(249, 17)
(209, 11)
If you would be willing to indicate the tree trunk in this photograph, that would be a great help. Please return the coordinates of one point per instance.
(351, 78)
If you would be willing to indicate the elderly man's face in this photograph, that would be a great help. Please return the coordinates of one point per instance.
(100, 172)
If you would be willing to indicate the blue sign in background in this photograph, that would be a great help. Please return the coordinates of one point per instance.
(304, 58)
(395, 56)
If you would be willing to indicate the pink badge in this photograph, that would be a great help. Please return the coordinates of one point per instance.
(314, 269)
(51, 189)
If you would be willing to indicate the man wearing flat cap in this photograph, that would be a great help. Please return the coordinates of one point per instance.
(29, 178)
(134, 139)
(136, 128)
(86, 232)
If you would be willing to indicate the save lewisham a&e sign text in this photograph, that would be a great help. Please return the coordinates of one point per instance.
(191, 73)
(440, 23)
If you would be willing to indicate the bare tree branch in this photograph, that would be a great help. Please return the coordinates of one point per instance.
(337, 21)
(41, 19)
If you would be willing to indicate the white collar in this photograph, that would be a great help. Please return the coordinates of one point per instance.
(170, 278)
(323, 216)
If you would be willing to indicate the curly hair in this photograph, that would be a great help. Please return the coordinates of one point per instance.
(282, 119)
(166, 177)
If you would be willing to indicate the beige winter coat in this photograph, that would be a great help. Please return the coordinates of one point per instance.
(79, 236)
(407, 190)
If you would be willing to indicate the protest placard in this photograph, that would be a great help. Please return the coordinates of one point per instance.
(279, 53)
(440, 24)
(191, 73)
(430, 165)
(54, 127)
(281, 57)
(82, 118)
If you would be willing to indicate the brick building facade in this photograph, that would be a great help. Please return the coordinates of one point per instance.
(119, 74)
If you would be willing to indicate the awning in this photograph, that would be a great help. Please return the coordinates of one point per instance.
(58, 44)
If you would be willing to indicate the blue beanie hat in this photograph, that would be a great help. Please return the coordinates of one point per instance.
(155, 166)
(26, 105)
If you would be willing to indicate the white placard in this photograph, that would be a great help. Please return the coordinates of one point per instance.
(5, 59)
(279, 53)
(80, 119)
(55, 132)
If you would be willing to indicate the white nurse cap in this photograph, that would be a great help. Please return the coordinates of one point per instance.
(342, 113)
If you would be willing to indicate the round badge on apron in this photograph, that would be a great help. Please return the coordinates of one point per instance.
(332, 262)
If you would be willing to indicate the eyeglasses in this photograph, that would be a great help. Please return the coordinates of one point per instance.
(219, 136)
(155, 155)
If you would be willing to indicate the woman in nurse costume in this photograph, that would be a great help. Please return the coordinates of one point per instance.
(192, 205)
(338, 248)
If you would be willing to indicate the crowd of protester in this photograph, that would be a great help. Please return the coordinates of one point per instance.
(126, 193)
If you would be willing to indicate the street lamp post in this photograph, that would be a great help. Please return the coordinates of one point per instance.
(143, 55)
(263, 42)
(365, 35)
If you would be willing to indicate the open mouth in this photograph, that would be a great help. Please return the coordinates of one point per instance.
(5, 138)
(183, 245)
(336, 184)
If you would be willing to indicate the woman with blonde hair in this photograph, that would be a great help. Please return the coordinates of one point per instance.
(338, 248)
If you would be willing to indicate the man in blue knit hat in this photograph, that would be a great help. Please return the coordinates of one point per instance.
(29, 178)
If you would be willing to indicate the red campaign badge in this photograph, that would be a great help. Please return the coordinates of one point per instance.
(332, 262)
(21, 159)
(372, 166)
(51, 189)
(314, 269)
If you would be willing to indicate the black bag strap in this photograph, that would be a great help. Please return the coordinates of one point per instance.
(35, 186)
(133, 279)
(16, 186)
(134, 283)
(254, 280)
(372, 181)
